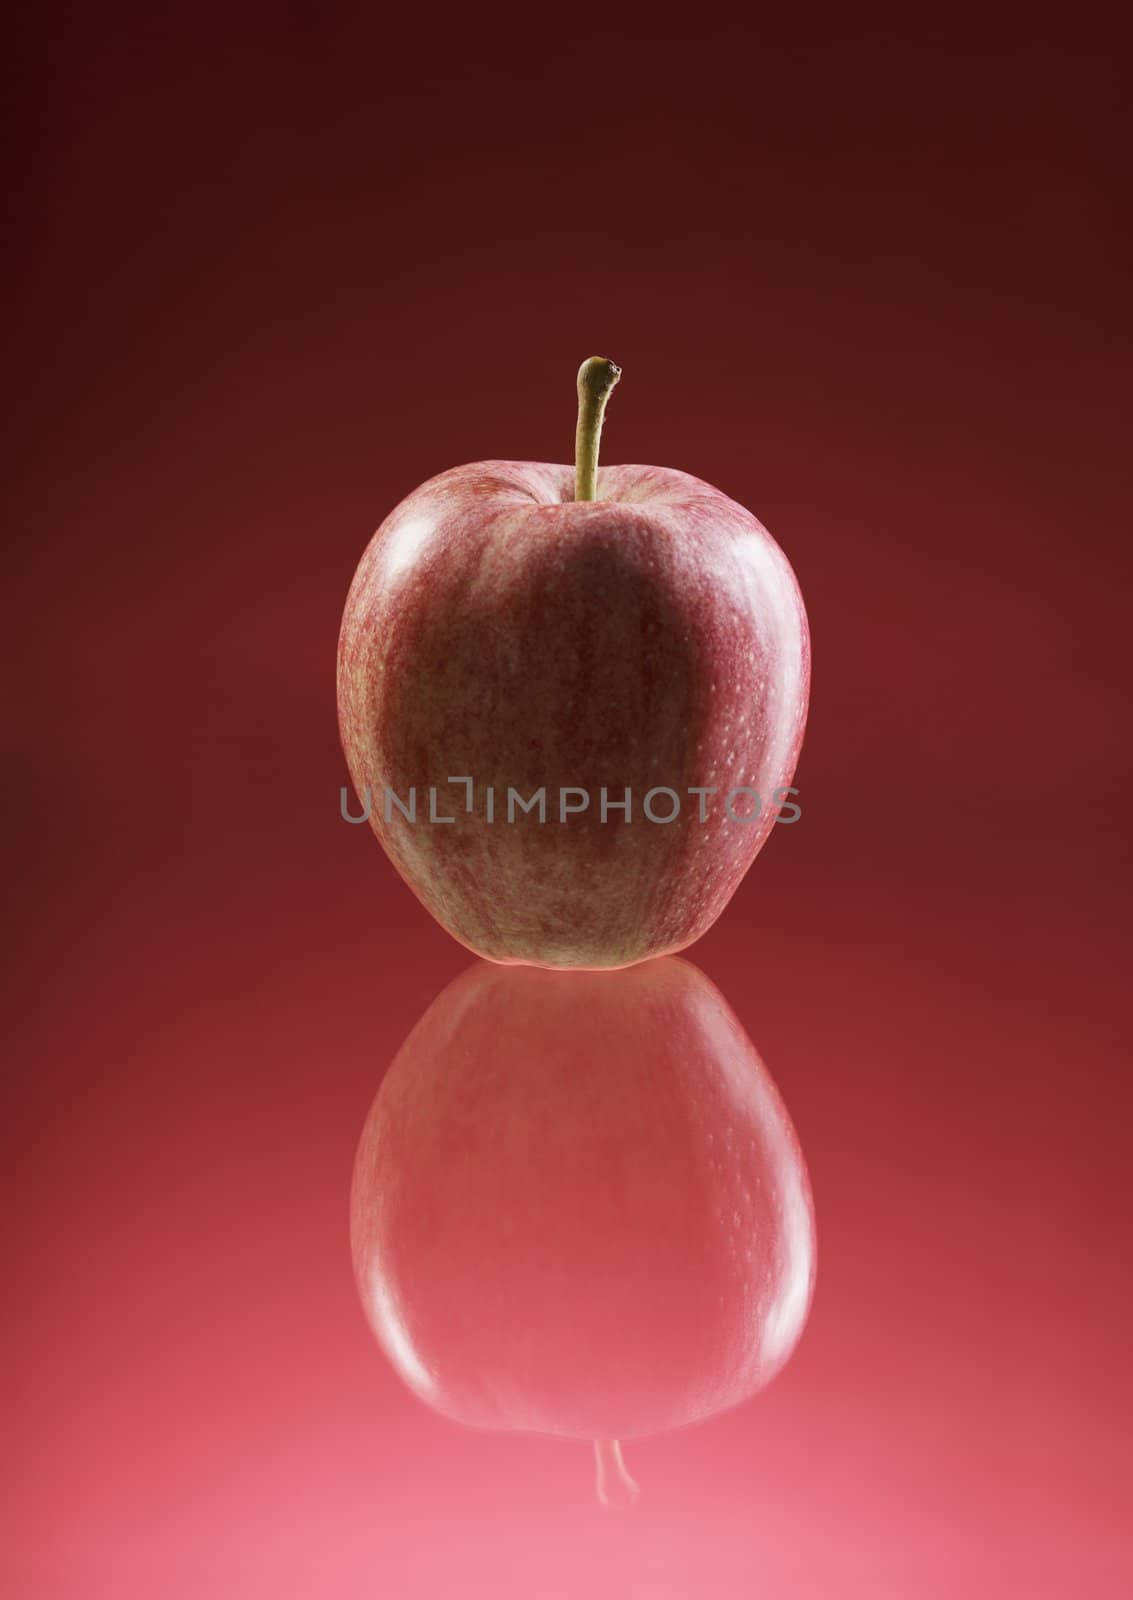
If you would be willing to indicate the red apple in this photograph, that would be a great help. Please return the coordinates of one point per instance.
(508, 633)
(579, 1207)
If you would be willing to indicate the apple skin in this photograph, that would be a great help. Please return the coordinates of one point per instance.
(579, 1207)
(498, 630)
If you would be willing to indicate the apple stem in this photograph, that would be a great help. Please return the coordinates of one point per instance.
(596, 378)
(616, 1489)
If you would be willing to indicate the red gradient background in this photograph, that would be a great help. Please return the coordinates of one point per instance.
(274, 267)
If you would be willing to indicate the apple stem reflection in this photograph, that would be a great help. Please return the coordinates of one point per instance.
(617, 1491)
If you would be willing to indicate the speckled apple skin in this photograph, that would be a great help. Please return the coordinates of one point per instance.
(500, 631)
(579, 1206)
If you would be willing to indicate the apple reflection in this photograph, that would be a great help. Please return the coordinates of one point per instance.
(579, 1207)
